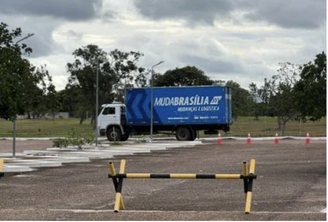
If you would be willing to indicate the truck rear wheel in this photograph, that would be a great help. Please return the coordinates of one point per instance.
(193, 134)
(114, 134)
(183, 134)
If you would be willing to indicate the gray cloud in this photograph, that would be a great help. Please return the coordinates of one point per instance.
(193, 11)
(43, 17)
(245, 52)
(42, 41)
(307, 14)
(74, 10)
(212, 66)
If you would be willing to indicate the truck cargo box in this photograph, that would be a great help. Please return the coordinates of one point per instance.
(179, 105)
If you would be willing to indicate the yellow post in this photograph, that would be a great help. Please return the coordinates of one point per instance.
(248, 202)
(118, 199)
(245, 173)
(119, 204)
(252, 167)
(1, 165)
(111, 169)
(245, 169)
(249, 190)
(122, 167)
(122, 171)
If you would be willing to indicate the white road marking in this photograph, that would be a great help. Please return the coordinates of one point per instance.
(182, 211)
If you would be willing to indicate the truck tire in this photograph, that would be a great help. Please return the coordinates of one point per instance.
(125, 137)
(193, 134)
(114, 134)
(183, 134)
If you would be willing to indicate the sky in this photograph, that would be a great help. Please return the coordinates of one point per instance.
(239, 40)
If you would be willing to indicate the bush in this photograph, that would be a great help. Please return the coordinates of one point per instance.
(60, 143)
(89, 138)
(75, 138)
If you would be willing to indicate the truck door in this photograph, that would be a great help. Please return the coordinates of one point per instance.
(109, 116)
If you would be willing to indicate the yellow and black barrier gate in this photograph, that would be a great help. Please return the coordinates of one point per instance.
(246, 176)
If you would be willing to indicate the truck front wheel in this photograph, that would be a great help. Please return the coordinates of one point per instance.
(183, 134)
(114, 134)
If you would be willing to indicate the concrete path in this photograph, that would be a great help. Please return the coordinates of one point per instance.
(31, 160)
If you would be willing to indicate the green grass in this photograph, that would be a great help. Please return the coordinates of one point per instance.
(43, 127)
(268, 126)
(265, 126)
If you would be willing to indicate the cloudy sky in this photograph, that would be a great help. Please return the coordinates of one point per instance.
(239, 40)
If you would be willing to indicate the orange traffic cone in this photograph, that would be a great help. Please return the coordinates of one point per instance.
(276, 140)
(307, 140)
(249, 140)
(219, 139)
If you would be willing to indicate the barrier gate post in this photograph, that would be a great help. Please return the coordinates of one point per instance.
(1, 167)
(246, 176)
(250, 187)
(118, 185)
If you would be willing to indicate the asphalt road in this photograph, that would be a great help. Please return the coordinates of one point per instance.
(291, 185)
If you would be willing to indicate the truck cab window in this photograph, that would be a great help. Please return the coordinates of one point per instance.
(109, 111)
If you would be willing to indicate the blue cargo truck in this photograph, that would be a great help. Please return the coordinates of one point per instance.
(180, 110)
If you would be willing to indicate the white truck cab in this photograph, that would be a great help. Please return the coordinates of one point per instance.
(111, 121)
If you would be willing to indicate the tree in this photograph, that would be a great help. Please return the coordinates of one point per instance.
(116, 70)
(311, 89)
(83, 78)
(22, 85)
(259, 105)
(186, 76)
(42, 96)
(69, 99)
(241, 100)
(15, 73)
(51, 97)
(278, 95)
(124, 65)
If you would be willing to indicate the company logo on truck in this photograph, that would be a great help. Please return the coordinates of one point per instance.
(187, 101)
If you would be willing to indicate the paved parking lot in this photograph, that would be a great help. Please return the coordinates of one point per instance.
(291, 185)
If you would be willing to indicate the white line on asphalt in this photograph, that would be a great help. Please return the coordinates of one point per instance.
(182, 211)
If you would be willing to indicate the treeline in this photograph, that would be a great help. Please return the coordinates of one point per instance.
(24, 88)
(295, 92)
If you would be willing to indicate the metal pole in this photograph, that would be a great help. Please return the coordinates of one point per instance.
(151, 101)
(124, 88)
(151, 106)
(14, 137)
(97, 91)
(14, 119)
(26, 37)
